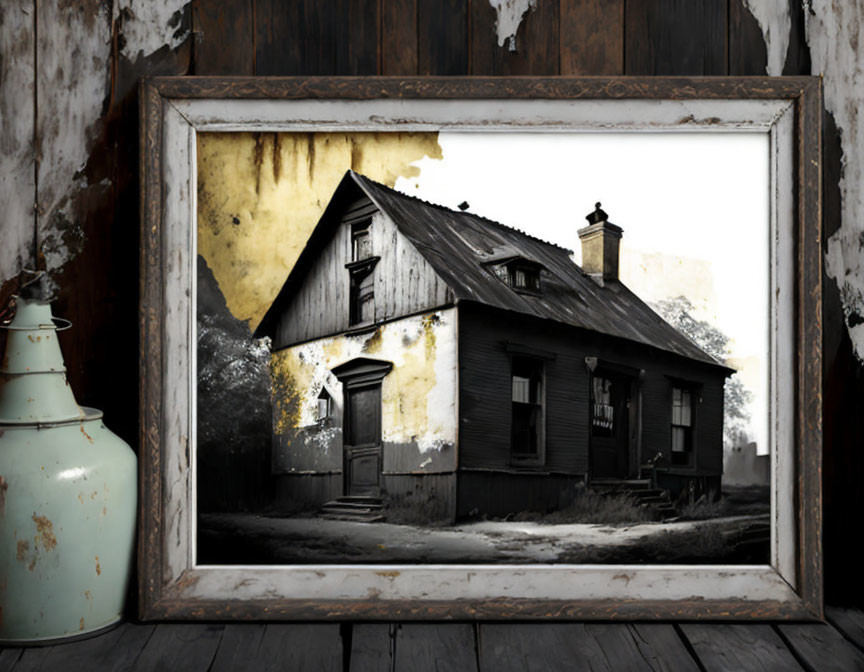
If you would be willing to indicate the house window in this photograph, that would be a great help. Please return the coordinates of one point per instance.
(362, 296)
(602, 410)
(325, 405)
(361, 241)
(525, 277)
(682, 426)
(527, 409)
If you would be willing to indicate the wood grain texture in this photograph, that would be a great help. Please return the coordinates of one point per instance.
(442, 43)
(238, 647)
(224, 37)
(399, 37)
(592, 37)
(535, 47)
(666, 37)
(435, 647)
(723, 648)
(337, 37)
(179, 647)
(848, 621)
(9, 657)
(821, 647)
(748, 54)
(317, 648)
(662, 647)
(372, 647)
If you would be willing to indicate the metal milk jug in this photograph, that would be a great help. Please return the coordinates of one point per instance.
(68, 495)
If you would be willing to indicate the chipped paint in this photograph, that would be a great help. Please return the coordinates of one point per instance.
(833, 31)
(508, 17)
(150, 25)
(260, 196)
(418, 396)
(775, 23)
(98, 567)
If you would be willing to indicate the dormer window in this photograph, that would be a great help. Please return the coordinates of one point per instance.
(523, 275)
(361, 240)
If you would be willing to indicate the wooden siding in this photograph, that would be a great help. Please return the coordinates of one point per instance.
(405, 283)
(484, 373)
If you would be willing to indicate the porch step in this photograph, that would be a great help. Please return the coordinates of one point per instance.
(654, 500)
(610, 484)
(355, 509)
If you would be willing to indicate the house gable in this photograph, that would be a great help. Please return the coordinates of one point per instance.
(316, 299)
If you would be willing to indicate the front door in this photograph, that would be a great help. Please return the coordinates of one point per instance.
(362, 445)
(610, 424)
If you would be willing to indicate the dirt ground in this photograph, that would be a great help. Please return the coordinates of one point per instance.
(243, 538)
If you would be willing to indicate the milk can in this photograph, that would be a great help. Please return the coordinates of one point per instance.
(67, 495)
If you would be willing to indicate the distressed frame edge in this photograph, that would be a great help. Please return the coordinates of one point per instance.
(156, 600)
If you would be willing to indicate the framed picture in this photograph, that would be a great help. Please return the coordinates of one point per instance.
(480, 348)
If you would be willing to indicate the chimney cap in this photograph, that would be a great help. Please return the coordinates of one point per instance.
(597, 216)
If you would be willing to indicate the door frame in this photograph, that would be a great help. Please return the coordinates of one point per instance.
(358, 373)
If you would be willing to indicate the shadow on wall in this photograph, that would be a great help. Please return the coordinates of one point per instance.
(234, 408)
(743, 466)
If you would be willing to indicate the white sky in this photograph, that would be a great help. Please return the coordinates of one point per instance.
(694, 209)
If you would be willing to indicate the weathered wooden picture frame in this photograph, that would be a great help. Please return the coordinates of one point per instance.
(172, 585)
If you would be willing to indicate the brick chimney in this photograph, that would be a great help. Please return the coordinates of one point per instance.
(600, 240)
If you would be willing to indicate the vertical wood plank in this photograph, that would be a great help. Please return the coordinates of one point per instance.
(224, 37)
(436, 647)
(592, 37)
(398, 37)
(17, 179)
(372, 647)
(335, 37)
(747, 52)
(536, 44)
(442, 40)
(676, 37)
(739, 647)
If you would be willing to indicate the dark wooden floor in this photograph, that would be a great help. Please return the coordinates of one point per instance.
(440, 647)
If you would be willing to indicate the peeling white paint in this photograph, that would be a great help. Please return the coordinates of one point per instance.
(149, 25)
(776, 24)
(833, 30)
(509, 15)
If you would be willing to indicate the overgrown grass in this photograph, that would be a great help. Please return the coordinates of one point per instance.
(706, 507)
(593, 507)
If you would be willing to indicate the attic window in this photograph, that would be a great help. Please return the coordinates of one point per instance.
(523, 275)
(361, 240)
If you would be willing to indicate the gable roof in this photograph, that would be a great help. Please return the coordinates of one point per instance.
(461, 246)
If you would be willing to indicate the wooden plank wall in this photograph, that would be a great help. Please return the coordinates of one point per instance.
(88, 212)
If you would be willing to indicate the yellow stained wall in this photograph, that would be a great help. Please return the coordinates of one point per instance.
(418, 396)
(261, 194)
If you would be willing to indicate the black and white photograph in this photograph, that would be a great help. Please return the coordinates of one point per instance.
(481, 347)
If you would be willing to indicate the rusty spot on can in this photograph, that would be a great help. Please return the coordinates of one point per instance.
(81, 624)
(89, 438)
(45, 532)
(98, 566)
(23, 547)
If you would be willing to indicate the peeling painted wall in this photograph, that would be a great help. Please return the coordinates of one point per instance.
(260, 196)
(508, 17)
(833, 31)
(419, 416)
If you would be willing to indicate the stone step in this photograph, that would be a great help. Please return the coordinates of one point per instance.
(351, 517)
(360, 499)
(359, 506)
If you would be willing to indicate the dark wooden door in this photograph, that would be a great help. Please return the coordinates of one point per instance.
(362, 445)
(610, 425)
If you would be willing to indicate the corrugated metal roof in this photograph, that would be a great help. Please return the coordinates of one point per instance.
(460, 246)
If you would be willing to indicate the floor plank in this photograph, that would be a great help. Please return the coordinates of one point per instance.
(543, 646)
(446, 647)
(372, 647)
(662, 647)
(315, 647)
(32, 659)
(238, 646)
(113, 651)
(821, 647)
(8, 658)
(850, 623)
(180, 646)
(734, 647)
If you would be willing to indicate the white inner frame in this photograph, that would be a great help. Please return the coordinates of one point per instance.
(559, 582)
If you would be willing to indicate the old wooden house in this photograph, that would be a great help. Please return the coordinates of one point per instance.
(444, 365)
